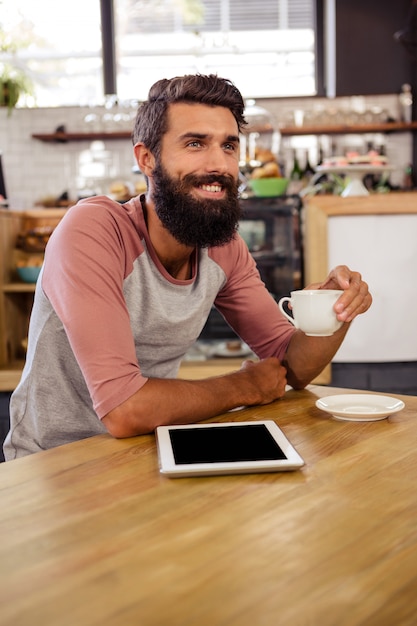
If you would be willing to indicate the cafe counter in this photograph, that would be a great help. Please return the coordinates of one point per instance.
(377, 236)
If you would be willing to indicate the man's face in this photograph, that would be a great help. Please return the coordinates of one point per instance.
(195, 180)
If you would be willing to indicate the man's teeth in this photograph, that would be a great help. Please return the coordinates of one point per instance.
(211, 188)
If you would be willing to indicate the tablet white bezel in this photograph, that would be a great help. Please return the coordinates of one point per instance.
(170, 468)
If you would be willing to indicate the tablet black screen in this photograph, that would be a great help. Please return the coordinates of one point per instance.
(224, 444)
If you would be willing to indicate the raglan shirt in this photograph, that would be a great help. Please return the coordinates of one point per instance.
(107, 316)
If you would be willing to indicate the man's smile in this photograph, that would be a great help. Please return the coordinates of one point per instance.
(213, 188)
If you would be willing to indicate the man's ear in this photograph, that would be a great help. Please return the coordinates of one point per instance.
(145, 159)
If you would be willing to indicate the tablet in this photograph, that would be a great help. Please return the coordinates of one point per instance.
(225, 448)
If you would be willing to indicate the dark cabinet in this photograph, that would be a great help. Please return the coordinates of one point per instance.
(368, 59)
(271, 228)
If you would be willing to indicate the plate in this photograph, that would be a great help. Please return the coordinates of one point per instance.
(229, 349)
(363, 168)
(360, 407)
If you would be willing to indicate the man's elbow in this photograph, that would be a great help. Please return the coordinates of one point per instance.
(120, 425)
(297, 383)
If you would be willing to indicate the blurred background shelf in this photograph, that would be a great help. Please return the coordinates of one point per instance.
(337, 129)
(345, 129)
(19, 287)
(65, 137)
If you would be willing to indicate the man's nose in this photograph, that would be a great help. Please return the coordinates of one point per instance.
(216, 160)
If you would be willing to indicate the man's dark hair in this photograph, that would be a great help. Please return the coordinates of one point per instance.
(151, 120)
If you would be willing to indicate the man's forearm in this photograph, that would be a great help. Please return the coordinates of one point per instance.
(170, 401)
(307, 356)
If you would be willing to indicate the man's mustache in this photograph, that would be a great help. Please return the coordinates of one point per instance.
(226, 181)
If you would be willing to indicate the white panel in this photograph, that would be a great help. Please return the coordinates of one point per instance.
(384, 249)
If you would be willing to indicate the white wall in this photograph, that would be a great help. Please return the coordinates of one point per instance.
(383, 247)
(34, 169)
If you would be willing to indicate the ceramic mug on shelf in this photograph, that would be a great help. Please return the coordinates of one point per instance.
(313, 311)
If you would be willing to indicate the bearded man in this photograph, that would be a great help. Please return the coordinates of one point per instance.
(126, 289)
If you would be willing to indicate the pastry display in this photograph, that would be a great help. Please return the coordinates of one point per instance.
(30, 261)
(372, 157)
(35, 239)
(55, 202)
(120, 191)
(269, 170)
(267, 180)
(140, 186)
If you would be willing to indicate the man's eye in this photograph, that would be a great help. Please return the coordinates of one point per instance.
(230, 146)
(194, 144)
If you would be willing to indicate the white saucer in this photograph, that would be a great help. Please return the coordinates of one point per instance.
(360, 407)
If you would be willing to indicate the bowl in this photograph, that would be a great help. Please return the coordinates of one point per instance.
(269, 187)
(29, 273)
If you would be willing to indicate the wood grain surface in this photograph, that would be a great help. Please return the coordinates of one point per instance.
(93, 534)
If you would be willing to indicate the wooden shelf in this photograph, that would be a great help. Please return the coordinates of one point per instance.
(19, 287)
(10, 376)
(346, 129)
(339, 129)
(66, 137)
(16, 296)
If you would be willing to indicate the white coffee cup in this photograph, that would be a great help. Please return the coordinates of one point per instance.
(313, 311)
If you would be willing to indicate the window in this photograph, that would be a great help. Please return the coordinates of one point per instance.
(57, 46)
(266, 48)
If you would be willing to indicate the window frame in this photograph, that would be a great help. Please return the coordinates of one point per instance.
(109, 50)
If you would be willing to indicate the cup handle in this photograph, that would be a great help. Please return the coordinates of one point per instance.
(281, 303)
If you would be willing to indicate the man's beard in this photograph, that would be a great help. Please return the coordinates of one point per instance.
(199, 222)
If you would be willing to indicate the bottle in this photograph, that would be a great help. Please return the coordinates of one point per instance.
(406, 103)
(296, 177)
(408, 183)
(309, 171)
(296, 172)
(321, 155)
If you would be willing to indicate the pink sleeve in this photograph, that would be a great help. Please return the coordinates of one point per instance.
(85, 266)
(248, 306)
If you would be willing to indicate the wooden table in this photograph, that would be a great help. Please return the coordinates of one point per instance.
(93, 534)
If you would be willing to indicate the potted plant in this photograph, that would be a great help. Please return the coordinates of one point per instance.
(12, 85)
(14, 82)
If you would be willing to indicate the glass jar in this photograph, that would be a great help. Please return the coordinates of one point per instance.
(260, 139)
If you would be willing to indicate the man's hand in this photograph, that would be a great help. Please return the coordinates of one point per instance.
(268, 377)
(307, 356)
(356, 298)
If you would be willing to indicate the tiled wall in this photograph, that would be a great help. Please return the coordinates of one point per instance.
(34, 170)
